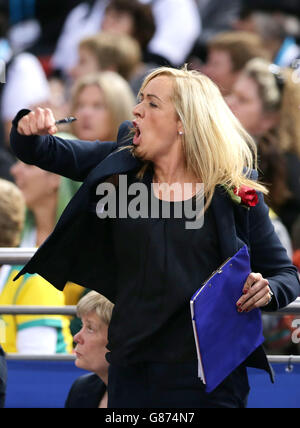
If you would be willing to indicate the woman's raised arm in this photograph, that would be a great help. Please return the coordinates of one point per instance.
(33, 142)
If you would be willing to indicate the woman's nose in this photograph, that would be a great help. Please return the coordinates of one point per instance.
(78, 338)
(138, 110)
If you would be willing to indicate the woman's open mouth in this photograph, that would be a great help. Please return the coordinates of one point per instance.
(137, 135)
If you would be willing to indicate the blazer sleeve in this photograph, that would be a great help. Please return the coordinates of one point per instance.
(73, 159)
(270, 258)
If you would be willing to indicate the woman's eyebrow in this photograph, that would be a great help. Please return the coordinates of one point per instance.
(151, 96)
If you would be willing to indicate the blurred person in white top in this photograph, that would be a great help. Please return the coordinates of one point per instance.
(178, 25)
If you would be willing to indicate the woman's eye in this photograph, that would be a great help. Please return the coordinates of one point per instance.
(153, 105)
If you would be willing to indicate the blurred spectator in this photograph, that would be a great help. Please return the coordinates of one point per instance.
(296, 243)
(12, 212)
(51, 15)
(130, 17)
(83, 21)
(26, 84)
(101, 102)
(106, 51)
(177, 24)
(40, 334)
(266, 101)
(217, 16)
(276, 24)
(26, 87)
(3, 378)
(228, 53)
(6, 162)
(289, 7)
(282, 233)
(90, 391)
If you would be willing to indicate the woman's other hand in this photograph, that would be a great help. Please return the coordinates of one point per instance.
(256, 293)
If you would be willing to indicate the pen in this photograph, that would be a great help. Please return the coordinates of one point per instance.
(65, 120)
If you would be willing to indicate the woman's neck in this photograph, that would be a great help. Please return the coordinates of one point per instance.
(174, 184)
(173, 172)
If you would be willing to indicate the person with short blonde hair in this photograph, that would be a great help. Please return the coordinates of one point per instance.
(108, 52)
(12, 214)
(89, 391)
(228, 53)
(95, 302)
(150, 264)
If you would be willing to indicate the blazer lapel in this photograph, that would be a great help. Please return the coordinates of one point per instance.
(117, 162)
(223, 211)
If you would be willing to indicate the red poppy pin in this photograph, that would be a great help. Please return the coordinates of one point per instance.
(244, 196)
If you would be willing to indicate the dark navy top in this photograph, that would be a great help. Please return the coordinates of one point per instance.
(167, 263)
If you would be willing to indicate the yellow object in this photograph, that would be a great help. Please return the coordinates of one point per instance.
(33, 290)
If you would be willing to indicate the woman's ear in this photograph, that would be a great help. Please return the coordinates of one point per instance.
(180, 128)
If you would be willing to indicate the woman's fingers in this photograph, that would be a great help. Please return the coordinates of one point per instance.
(38, 122)
(256, 293)
(50, 121)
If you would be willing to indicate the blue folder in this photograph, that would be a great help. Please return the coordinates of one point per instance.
(224, 337)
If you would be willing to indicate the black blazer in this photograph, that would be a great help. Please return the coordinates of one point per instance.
(3, 378)
(86, 393)
(75, 252)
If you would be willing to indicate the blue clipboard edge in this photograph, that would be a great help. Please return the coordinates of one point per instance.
(201, 374)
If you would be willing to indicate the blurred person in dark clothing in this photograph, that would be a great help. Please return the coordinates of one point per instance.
(3, 377)
(278, 25)
(290, 7)
(216, 16)
(6, 162)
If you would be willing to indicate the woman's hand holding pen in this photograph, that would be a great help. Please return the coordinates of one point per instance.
(40, 122)
(256, 293)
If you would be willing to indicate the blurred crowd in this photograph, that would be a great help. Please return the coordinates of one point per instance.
(88, 60)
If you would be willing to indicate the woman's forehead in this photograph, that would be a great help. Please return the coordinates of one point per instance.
(161, 86)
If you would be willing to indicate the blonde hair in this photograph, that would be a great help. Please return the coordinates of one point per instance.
(118, 96)
(217, 149)
(12, 214)
(113, 51)
(95, 302)
(285, 100)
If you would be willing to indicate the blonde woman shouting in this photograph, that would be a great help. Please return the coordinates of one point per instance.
(149, 265)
